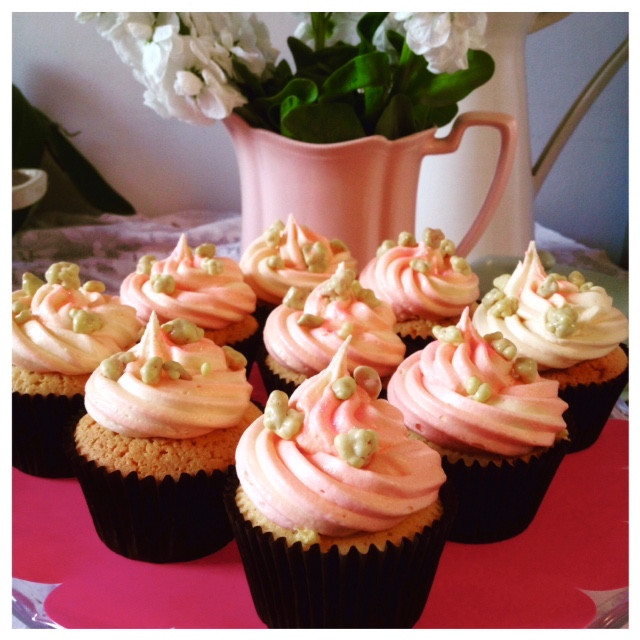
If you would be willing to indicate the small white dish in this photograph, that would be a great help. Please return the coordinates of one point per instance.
(28, 186)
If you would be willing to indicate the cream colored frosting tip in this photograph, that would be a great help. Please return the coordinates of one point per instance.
(154, 349)
(296, 245)
(562, 318)
(165, 283)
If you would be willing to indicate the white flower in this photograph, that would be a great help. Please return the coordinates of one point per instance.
(212, 94)
(218, 99)
(190, 88)
(188, 84)
(185, 60)
(228, 35)
(344, 28)
(130, 33)
(158, 45)
(107, 24)
(444, 38)
(253, 44)
(391, 23)
(263, 40)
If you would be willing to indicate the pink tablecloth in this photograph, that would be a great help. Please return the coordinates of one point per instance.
(578, 541)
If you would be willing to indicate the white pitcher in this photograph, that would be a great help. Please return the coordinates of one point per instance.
(449, 202)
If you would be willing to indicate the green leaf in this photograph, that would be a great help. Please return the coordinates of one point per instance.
(303, 55)
(396, 120)
(251, 86)
(360, 83)
(282, 73)
(319, 65)
(443, 115)
(368, 25)
(278, 79)
(396, 41)
(367, 70)
(426, 117)
(374, 98)
(304, 90)
(447, 88)
(321, 27)
(410, 62)
(289, 103)
(322, 123)
(256, 118)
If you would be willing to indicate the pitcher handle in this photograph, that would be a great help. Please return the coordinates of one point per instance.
(507, 127)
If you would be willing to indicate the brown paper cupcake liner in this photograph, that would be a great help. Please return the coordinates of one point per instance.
(296, 588)
(414, 344)
(271, 380)
(590, 406)
(249, 347)
(156, 521)
(263, 309)
(499, 501)
(42, 432)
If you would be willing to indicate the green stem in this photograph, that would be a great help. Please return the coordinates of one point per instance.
(408, 63)
(319, 25)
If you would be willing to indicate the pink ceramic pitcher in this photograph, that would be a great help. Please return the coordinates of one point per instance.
(361, 191)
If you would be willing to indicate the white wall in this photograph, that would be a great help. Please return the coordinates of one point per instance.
(586, 195)
(68, 71)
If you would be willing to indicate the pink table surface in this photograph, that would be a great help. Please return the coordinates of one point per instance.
(578, 541)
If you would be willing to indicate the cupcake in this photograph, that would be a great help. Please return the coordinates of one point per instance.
(425, 283)
(573, 331)
(494, 420)
(61, 330)
(339, 516)
(303, 333)
(290, 255)
(195, 285)
(154, 449)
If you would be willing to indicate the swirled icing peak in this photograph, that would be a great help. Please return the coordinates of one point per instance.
(477, 394)
(193, 284)
(61, 325)
(303, 333)
(288, 255)
(335, 463)
(558, 320)
(168, 385)
(421, 279)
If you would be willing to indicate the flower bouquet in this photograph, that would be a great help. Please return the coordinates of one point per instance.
(356, 74)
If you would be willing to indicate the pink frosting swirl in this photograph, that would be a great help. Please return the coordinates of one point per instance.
(307, 347)
(421, 281)
(291, 255)
(46, 339)
(206, 290)
(124, 396)
(433, 390)
(306, 482)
